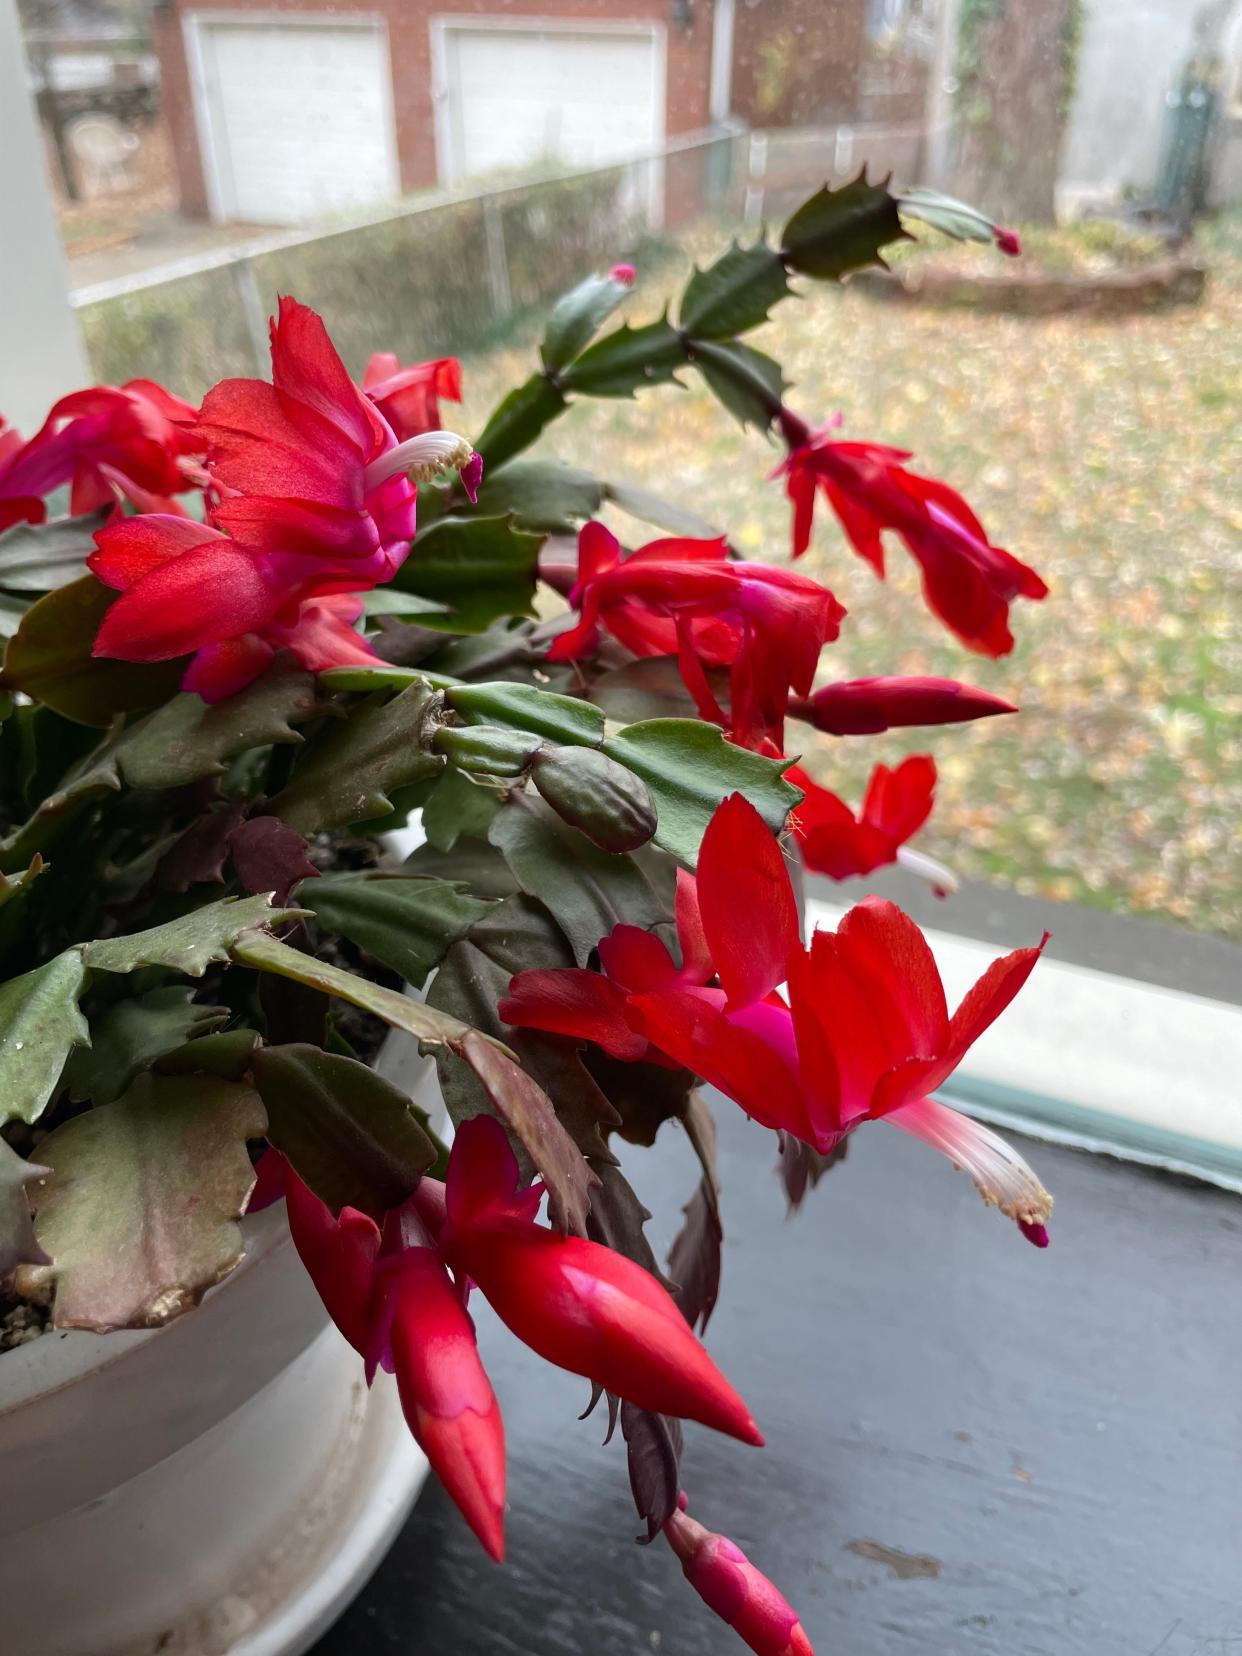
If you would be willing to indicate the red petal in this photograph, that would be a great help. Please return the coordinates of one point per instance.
(679, 549)
(800, 486)
(305, 365)
(209, 594)
(322, 636)
(590, 1310)
(482, 1172)
(274, 524)
(898, 802)
(574, 1002)
(750, 918)
(260, 444)
(635, 959)
(696, 957)
(219, 671)
(985, 1002)
(598, 551)
(129, 549)
(750, 1070)
(886, 947)
(340, 1257)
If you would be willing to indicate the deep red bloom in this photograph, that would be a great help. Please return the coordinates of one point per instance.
(134, 440)
(866, 707)
(298, 463)
(409, 398)
(968, 582)
(688, 598)
(314, 496)
(580, 1305)
(728, 1583)
(862, 1033)
(393, 1301)
(836, 842)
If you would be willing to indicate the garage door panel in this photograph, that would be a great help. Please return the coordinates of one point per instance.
(581, 98)
(299, 119)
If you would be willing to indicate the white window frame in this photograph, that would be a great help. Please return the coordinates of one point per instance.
(195, 24)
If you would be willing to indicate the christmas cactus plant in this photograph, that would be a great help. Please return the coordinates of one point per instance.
(259, 634)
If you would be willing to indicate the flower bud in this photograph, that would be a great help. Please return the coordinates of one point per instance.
(596, 795)
(578, 1304)
(865, 707)
(728, 1583)
(446, 1396)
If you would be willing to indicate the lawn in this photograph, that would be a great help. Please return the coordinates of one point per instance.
(1106, 454)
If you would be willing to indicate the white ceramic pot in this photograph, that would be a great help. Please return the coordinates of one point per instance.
(219, 1487)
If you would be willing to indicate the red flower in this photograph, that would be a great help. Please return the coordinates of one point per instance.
(836, 842)
(291, 460)
(687, 597)
(409, 398)
(133, 440)
(866, 707)
(314, 496)
(728, 1583)
(397, 1307)
(578, 1304)
(968, 582)
(863, 1035)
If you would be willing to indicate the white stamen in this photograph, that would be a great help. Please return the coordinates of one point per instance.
(942, 880)
(1001, 1176)
(421, 458)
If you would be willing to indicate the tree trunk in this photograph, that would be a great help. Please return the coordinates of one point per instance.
(1015, 72)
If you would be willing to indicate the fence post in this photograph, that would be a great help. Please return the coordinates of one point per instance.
(497, 258)
(752, 210)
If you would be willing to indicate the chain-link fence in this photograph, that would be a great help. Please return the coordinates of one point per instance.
(451, 273)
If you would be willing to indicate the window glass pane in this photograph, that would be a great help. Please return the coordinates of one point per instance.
(431, 178)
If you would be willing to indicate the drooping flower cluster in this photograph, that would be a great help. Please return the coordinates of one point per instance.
(311, 505)
(862, 1033)
(578, 1304)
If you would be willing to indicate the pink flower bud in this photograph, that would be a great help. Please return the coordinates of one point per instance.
(623, 273)
(1007, 241)
(446, 1396)
(728, 1583)
(578, 1304)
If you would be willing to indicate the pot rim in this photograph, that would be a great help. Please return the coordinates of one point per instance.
(61, 1358)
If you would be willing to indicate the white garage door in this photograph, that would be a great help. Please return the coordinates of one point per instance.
(510, 97)
(295, 118)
